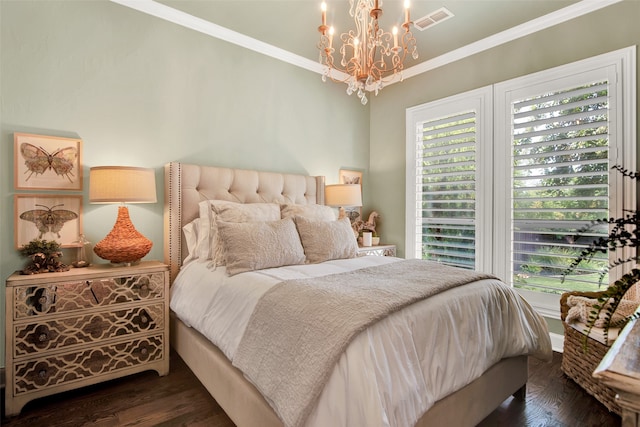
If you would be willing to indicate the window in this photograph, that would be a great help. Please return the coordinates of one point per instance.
(503, 177)
(447, 165)
(448, 189)
(559, 184)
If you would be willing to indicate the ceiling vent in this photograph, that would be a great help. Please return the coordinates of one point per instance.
(433, 18)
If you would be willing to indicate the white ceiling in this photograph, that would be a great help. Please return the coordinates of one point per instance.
(287, 29)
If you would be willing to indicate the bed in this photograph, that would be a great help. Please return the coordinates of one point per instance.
(186, 187)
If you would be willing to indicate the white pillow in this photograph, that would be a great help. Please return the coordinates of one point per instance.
(202, 239)
(191, 237)
(252, 246)
(327, 240)
(222, 210)
(310, 212)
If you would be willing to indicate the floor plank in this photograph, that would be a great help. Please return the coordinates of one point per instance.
(145, 399)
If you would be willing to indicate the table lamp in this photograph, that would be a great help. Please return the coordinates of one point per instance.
(343, 196)
(122, 184)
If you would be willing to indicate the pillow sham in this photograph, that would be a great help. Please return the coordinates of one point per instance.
(202, 238)
(327, 240)
(311, 212)
(250, 246)
(222, 210)
(191, 238)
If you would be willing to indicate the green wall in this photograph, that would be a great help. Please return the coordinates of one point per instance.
(140, 91)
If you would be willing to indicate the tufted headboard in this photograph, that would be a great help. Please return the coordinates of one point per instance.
(186, 185)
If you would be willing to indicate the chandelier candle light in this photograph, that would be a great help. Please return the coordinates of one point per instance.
(370, 56)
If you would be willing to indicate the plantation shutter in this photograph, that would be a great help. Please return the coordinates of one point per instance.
(560, 183)
(503, 177)
(446, 172)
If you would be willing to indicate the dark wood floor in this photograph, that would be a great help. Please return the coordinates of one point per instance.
(179, 399)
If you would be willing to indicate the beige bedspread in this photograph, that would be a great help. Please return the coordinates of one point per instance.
(300, 328)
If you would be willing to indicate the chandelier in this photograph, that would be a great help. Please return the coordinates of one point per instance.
(369, 56)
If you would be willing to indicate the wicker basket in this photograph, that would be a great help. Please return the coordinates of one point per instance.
(578, 362)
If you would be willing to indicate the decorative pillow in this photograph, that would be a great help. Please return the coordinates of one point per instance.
(327, 240)
(310, 212)
(580, 307)
(221, 210)
(252, 246)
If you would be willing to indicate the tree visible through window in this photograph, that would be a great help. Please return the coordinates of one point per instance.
(504, 176)
(560, 184)
(447, 169)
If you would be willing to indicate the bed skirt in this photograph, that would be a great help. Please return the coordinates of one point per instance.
(247, 408)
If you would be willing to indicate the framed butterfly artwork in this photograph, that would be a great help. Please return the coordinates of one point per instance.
(48, 217)
(47, 162)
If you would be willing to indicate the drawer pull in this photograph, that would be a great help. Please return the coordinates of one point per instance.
(42, 373)
(41, 336)
(144, 319)
(143, 350)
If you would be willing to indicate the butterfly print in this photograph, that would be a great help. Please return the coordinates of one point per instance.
(47, 220)
(39, 160)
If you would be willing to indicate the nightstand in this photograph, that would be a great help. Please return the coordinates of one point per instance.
(379, 250)
(84, 326)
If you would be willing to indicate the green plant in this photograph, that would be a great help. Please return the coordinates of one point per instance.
(35, 246)
(44, 256)
(552, 260)
(624, 233)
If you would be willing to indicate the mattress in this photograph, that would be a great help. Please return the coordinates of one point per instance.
(398, 368)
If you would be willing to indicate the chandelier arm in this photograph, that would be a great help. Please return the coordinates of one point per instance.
(368, 59)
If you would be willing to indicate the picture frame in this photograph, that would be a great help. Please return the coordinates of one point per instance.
(42, 162)
(351, 177)
(48, 217)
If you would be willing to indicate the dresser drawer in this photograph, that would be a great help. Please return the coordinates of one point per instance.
(70, 329)
(71, 296)
(56, 370)
(45, 335)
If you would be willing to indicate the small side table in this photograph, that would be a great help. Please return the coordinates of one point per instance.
(379, 250)
(620, 370)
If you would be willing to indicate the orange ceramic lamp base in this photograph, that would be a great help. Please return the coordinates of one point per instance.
(124, 244)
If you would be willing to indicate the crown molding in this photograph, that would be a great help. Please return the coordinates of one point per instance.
(554, 18)
(200, 25)
(186, 20)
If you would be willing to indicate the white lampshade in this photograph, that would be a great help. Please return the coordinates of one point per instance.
(122, 184)
(343, 195)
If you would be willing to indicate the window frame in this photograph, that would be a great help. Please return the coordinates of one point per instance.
(492, 103)
(479, 100)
